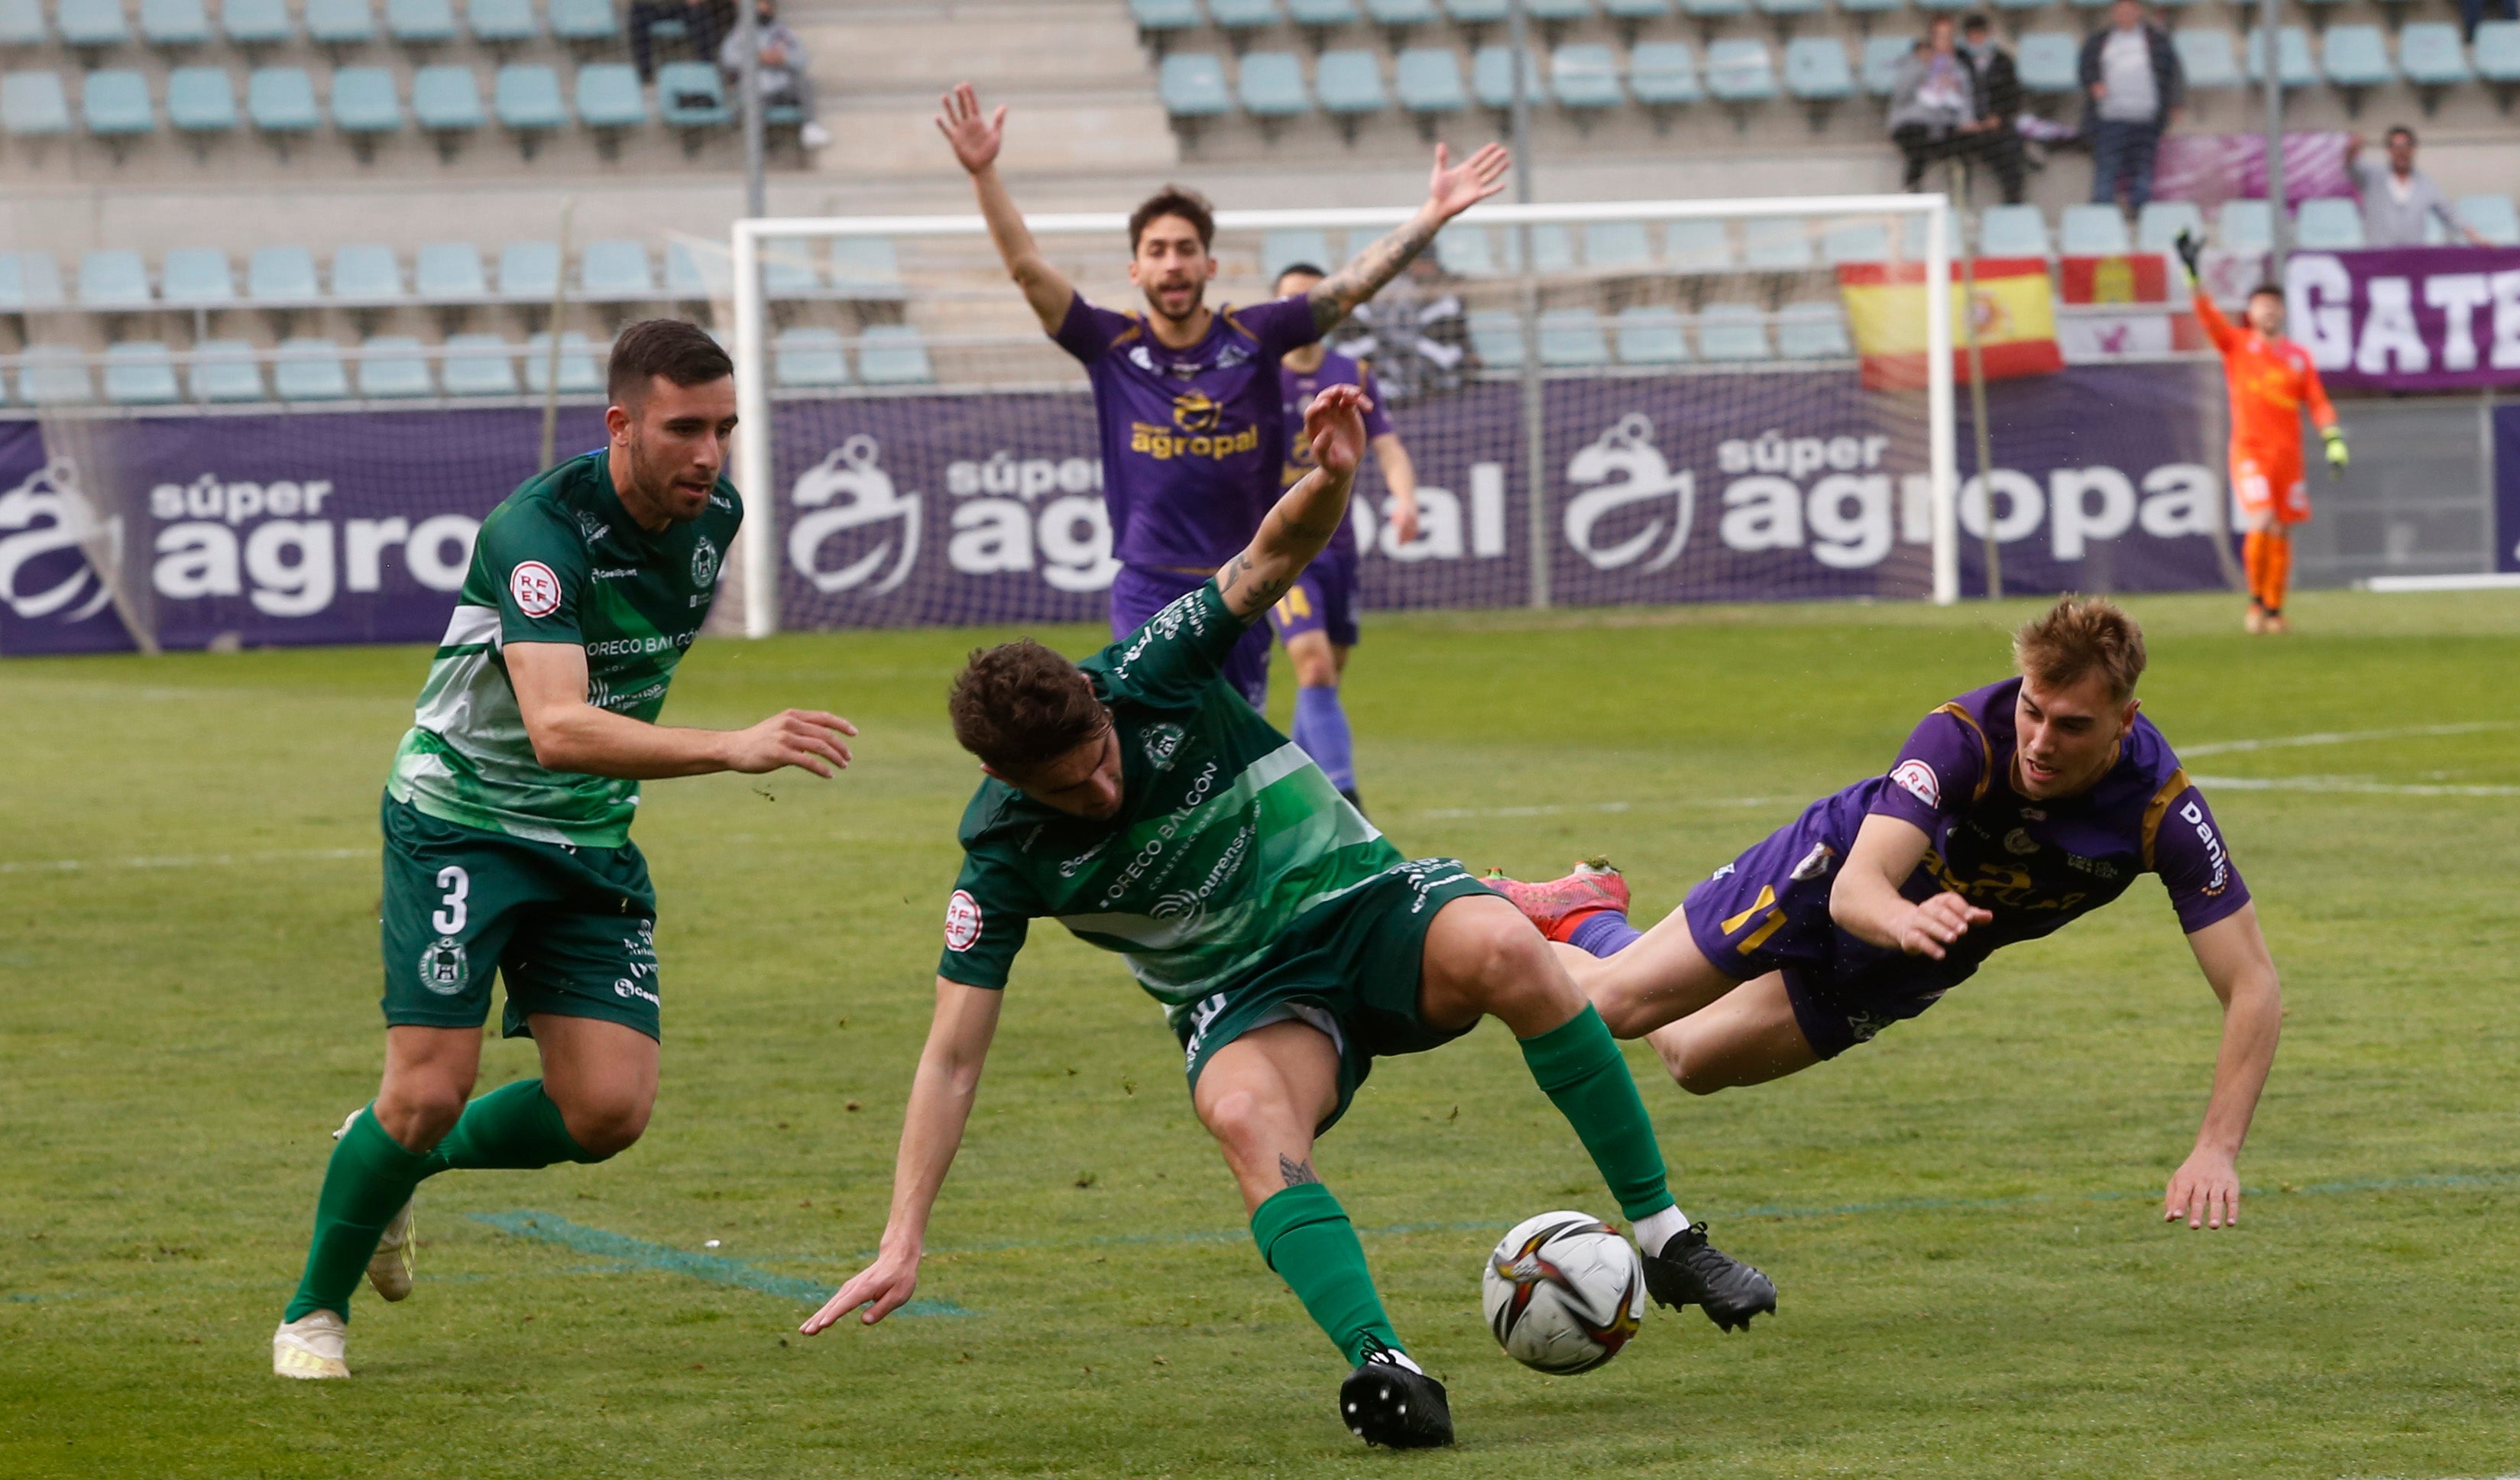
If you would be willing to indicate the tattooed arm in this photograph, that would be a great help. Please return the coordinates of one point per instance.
(1452, 191)
(1308, 515)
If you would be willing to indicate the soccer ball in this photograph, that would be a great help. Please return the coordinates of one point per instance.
(1563, 1293)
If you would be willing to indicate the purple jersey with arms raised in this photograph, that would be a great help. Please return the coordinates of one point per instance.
(1191, 439)
(1298, 387)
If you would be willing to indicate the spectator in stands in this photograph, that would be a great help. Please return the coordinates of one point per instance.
(783, 67)
(1933, 102)
(2136, 88)
(703, 25)
(1997, 143)
(2397, 196)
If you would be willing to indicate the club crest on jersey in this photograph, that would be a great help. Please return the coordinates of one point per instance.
(592, 527)
(1161, 743)
(962, 921)
(1814, 862)
(1918, 781)
(535, 587)
(2020, 844)
(1194, 412)
(444, 969)
(704, 562)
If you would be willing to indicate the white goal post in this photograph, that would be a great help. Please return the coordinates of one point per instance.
(949, 278)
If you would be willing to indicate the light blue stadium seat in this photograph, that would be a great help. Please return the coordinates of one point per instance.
(1165, 14)
(2430, 54)
(1785, 12)
(790, 268)
(529, 271)
(141, 373)
(1427, 80)
(2091, 230)
(893, 354)
(526, 97)
(1632, 15)
(1866, 11)
(1650, 333)
(478, 364)
(1553, 15)
(867, 269)
(583, 20)
(691, 95)
(1817, 70)
(578, 374)
(1496, 337)
(196, 277)
(1733, 331)
(1572, 336)
(364, 103)
(2491, 216)
(1778, 245)
(253, 24)
(1321, 15)
(1855, 241)
(2496, 51)
(1553, 249)
(224, 371)
(1350, 82)
(1705, 12)
(33, 105)
(1474, 14)
(21, 22)
(1464, 252)
(114, 278)
(808, 357)
(609, 98)
(393, 368)
(200, 101)
(1663, 75)
(2158, 225)
(1242, 14)
(1585, 77)
(2049, 63)
(115, 104)
(91, 25)
(2209, 58)
(1881, 58)
(2020, 5)
(2244, 227)
(282, 277)
(55, 374)
(1273, 85)
(1618, 247)
(2293, 62)
(1191, 85)
(449, 272)
(281, 101)
(696, 273)
(1398, 15)
(616, 270)
(1698, 247)
(367, 273)
(1282, 247)
(1492, 77)
(2013, 231)
(420, 23)
(338, 23)
(2330, 224)
(446, 102)
(309, 370)
(2357, 56)
(29, 279)
(500, 23)
(174, 22)
(1740, 69)
(1813, 329)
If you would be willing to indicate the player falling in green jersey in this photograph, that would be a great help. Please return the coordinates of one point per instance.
(1139, 801)
(507, 821)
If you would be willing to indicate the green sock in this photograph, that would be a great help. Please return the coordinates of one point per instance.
(1304, 1235)
(514, 1127)
(1577, 1063)
(368, 1180)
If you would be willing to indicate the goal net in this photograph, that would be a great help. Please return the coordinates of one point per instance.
(1603, 403)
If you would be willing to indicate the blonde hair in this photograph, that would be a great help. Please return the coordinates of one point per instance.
(2080, 634)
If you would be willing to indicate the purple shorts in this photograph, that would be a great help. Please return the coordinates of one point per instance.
(1138, 592)
(1323, 600)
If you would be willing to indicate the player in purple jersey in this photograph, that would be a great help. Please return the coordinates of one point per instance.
(2010, 811)
(1318, 619)
(1193, 433)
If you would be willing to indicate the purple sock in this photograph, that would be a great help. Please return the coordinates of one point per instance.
(1606, 934)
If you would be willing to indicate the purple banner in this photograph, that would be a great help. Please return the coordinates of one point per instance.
(2412, 318)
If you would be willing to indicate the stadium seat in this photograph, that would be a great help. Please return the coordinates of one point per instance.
(29, 279)
(2491, 216)
(529, 272)
(1633, 16)
(1350, 85)
(609, 98)
(446, 103)
(1553, 249)
(583, 21)
(1650, 333)
(22, 23)
(1866, 12)
(1282, 247)
(1663, 75)
(33, 105)
(281, 102)
(139, 372)
(2431, 56)
(2091, 230)
(252, 24)
(478, 364)
(1814, 329)
(115, 105)
(1156, 17)
(2020, 5)
(364, 104)
(2292, 57)
(789, 269)
(2158, 225)
(1585, 77)
(173, 24)
(1427, 80)
(526, 97)
(1816, 75)
(696, 273)
(200, 101)
(282, 277)
(1708, 11)
(2013, 231)
(225, 370)
(2208, 56)
(616, 270)
(1273, 86)
(1698, 248)
(1740, 72)
(1618, 247)
(393, 368)
(808, 357)
(1881, 58)
(1733, 331)
(1572, 336)
(337, 24)
(1474, 16)
(420, 23)
(1778, 245)
(2356, 59)
(112, 278)
(1464, 252)
(893, 354)
(865, 269)
(54, 374)
(1319, 18)
(1237, 16)
(1784, 13)
(2496, 51)
(2244, 227)
(2330, 224)
(691, 95)
(1496, 337)
(91, 26)
(1855, 241)
(449, 273)
(1398, 17)
(196, 277)
(367, 274)
(1191, 85)
(309, 370)
(497, 24)
(2049, 64)
(578, 374)
(1492, 77)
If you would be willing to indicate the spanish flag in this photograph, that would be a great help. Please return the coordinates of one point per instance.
(2014, 306)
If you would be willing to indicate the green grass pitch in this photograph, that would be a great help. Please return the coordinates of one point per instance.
(1962, 1217)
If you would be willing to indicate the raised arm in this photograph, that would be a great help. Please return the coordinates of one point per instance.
(1866, 903)
(976, 140)
(1400, 475)
(932, 1132)
(1451, 190)
(1308, 515)
(2232, 953)
(569, 734)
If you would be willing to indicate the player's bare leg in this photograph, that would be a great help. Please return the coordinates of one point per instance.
(1747, 1036)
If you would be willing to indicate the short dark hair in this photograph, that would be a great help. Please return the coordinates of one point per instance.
(2396, 129)
(679, 351)
(1019, 705)
(1174, 201)
(2267, 290)
(1975, 20)
(1292, 268)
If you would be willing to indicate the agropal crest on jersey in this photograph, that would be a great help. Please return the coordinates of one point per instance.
(1563, 1293)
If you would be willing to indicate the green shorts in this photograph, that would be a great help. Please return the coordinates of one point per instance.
(571, 930)
(1350, 967)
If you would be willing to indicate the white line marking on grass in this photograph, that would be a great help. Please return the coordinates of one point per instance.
(182, 861)
(2352, 786)
(2343, 737)
(1594, 808)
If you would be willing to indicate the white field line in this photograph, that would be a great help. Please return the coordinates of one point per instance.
(2342, 738)
(2351, 785)
(183, 861)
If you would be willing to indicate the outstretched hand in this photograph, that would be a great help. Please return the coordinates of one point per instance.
(975, 139)
(1334, 429)
(2205, 1190)
(807, 739)
(1938, 923)
(2191, 247)
(882, 1287)
(1454, 188)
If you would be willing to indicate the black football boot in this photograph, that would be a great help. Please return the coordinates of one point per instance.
(1689, 1270)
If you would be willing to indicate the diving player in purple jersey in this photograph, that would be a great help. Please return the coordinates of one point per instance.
(1193, 431)
(1318, 619)
(2010, 811)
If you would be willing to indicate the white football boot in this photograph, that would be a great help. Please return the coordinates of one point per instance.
(311, 1347)
(389, 1268)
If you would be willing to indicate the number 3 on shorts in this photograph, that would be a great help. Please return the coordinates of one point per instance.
(449, 919)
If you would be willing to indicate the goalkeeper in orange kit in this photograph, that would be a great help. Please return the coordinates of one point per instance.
(2272, 380)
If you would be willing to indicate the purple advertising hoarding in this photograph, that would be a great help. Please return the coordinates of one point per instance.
(2415, 318)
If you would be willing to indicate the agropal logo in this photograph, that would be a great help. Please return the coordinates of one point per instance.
(847, 493)
(43, 569)
(1623, 474)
